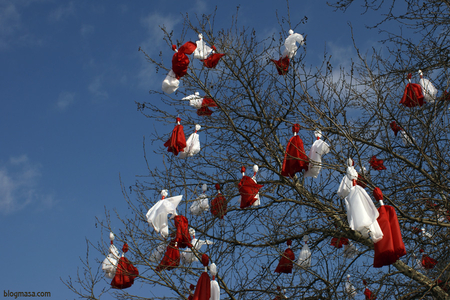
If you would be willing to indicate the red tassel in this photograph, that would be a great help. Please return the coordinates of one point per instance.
(180, 61)
(219, 204)
(171, 258)
(286, 262)
(395, 128)
(182, 237)
(125, 272)
(295, 158)
(177, 141)
(248, 189)
(378, 194)
(391, 247)
(282, 65)
(413, 95)
(376, 164)
(203, 289)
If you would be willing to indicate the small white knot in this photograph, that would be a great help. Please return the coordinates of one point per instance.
(349, 162)
(306, 238)
(196, 93)
(255, 168)
(164, 193)
(197, 127)
(111, 236)
(420, 72)
(213, 269)
(192, 231)
(348, 276)
(204, 187)
(318, 133)
(200, 36)
(291, 31)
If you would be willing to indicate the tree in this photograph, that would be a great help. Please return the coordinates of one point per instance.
(252, 124)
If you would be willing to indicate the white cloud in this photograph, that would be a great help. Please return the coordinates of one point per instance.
(62, 12)
(10, 22)
(19, 185)
(96, 88)
(64, 100)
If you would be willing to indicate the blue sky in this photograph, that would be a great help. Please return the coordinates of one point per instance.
(69, 78)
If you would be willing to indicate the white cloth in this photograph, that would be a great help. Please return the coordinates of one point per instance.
(109, 264)
(187, 256)
(202, 51)
(215, 290)
(350, 290)
(304, 258)
(158, 253)
(258, 199)
(350, 250)
(194, 100)
(199, 205)
(291, 44)
(428, 90)
(170, 83)
(347, 182)
(362, 214)
(318, 149)
(192, 146)
(405, 138)
(157, 215)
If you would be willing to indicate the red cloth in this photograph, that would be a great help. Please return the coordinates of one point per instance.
(219, 206)
(282, 65)
(180, 61)
(204, 110)
(203, 288)
(377, 194)
(395, 128)
(212, 60)
(286, 262)
(428, 262)
(412, 96)
(295, 158)
(391, 247)
(369, 295)
(248, 189)
(177, 141)
(339, 242)
(171, 258)
(182, 236)
(376, 164)
(361, 181)
(125, 272)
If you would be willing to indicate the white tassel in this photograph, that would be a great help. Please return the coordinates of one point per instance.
(428, 89)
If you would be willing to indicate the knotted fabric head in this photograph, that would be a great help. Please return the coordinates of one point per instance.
(295, 128)
(378, 194)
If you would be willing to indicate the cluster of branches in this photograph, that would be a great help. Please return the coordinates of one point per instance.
(252, 124)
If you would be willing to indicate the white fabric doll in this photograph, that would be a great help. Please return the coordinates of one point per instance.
(428, 89)
(202, 51)
(200, 204)
(304, 258)
(350, 289)
(192, 144)
(157, 215)
(187, 256)
(215, 289)
(170, 83)
(109, 264)
(346, 182)
(291, 44)
(318, 149)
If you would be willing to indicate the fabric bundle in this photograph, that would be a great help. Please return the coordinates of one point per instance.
(180, 63)
(318, 149)
(286, 262)
(157, 215)
(295, 159)
(177, 141)
(192, 144)
(125, 272)
(219, 204)
(248, 190)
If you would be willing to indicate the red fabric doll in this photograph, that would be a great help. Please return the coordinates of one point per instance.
(248, 189)
(213, 58)
(219, 204)
(287, 260)
(171, 258)
(395, 128)
(180, 61)
(391, 247)
(295, 158)
(203, 289)
(376, 164)
(427, 262)
(182, 236)
(368, 293)
(413, 95)
(191, 288)
(282, 65)
(177, 141)
(339, 242)
(204, 109)
(125, 272)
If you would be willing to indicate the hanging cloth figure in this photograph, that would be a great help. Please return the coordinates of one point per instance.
(219, 204)
(200, 204)
(318, 149)
(157, 215)
(289, 52)
(213, 59)
(177, 141)
(428, 89)
(125, 272)
(158, 253)
(350, 289)
(346, 182)
(182, 236)
(286, 261)
(203, 288)
(361, 212)
(304, 258)
(171, 258)
(350, 250)
(202, 51)
(109, 264)
(201, 104)
(192, 144)
(180, 63)
(215, 289)
(367, 293)
(248, 189)
(295, 159)
(188, 257)
(391, 247)
(413, 94)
